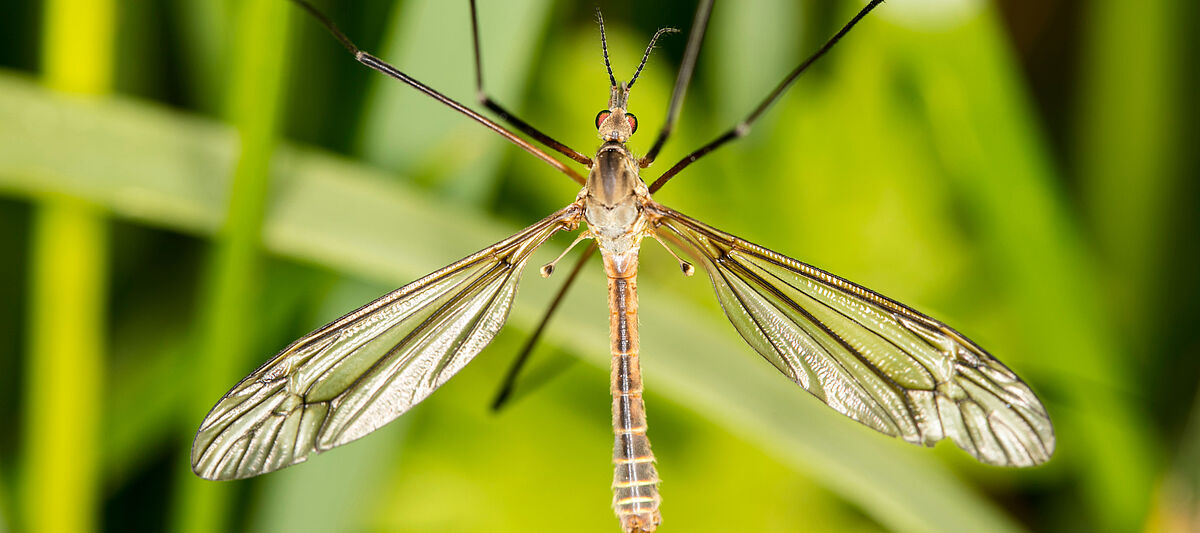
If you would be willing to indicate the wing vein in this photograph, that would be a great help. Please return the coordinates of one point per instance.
(878, 360)
(362, 370)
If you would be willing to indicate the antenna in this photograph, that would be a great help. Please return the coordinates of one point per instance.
(604, 44)
(742, 128)
(649, 48)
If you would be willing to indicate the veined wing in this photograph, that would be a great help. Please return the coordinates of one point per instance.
(360, 372)
(867, 356)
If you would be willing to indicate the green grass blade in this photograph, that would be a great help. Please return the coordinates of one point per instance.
(1127, 154)
(204, 45)
(65, 366)
(4, 501)
(252, 105)
(1179, 498)
(4, 516)
(991, 146)
(423, 44)
(68, 297)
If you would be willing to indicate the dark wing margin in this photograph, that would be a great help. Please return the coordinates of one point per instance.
(867, 356)
(363, 370)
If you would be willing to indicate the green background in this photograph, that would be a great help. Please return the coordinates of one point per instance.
(188, 185)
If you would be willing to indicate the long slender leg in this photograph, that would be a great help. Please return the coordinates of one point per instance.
(743, 127)
(695, 38)
(503, 113)
(382, 66)
(510, 379)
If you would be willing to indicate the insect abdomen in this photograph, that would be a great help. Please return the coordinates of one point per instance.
(635, 481)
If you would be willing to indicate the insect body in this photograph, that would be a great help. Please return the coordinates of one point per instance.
(870, 358)
(614, 200)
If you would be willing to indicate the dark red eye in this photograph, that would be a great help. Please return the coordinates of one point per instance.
(632, 122)
(601, 116)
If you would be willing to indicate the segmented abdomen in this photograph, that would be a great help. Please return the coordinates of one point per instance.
(635, 481)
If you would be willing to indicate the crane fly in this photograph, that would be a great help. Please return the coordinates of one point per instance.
(869, 357)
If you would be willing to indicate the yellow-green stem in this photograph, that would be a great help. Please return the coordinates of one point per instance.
(65, 363)
(64, 367)
(1127, 157)
(992, 143)
(252, 104)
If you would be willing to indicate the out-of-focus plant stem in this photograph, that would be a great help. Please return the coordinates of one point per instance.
(205, 44)
(1127, 157)
(1007, 179)
(1177, 505)
(68, 271)
(252, 104)
(1128, 160)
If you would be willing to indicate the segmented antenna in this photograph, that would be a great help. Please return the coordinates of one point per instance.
(604, 44)
(649, 48)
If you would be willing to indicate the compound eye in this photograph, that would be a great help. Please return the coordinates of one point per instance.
(601, 116)
(632, 122)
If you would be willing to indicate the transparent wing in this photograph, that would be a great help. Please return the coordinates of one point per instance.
(869, 357)
(363, 370)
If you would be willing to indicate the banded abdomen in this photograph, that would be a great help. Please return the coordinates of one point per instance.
(635, 481)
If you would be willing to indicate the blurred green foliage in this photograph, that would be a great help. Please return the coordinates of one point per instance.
(187, 186)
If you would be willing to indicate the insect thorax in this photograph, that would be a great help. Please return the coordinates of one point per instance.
(613, 205)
